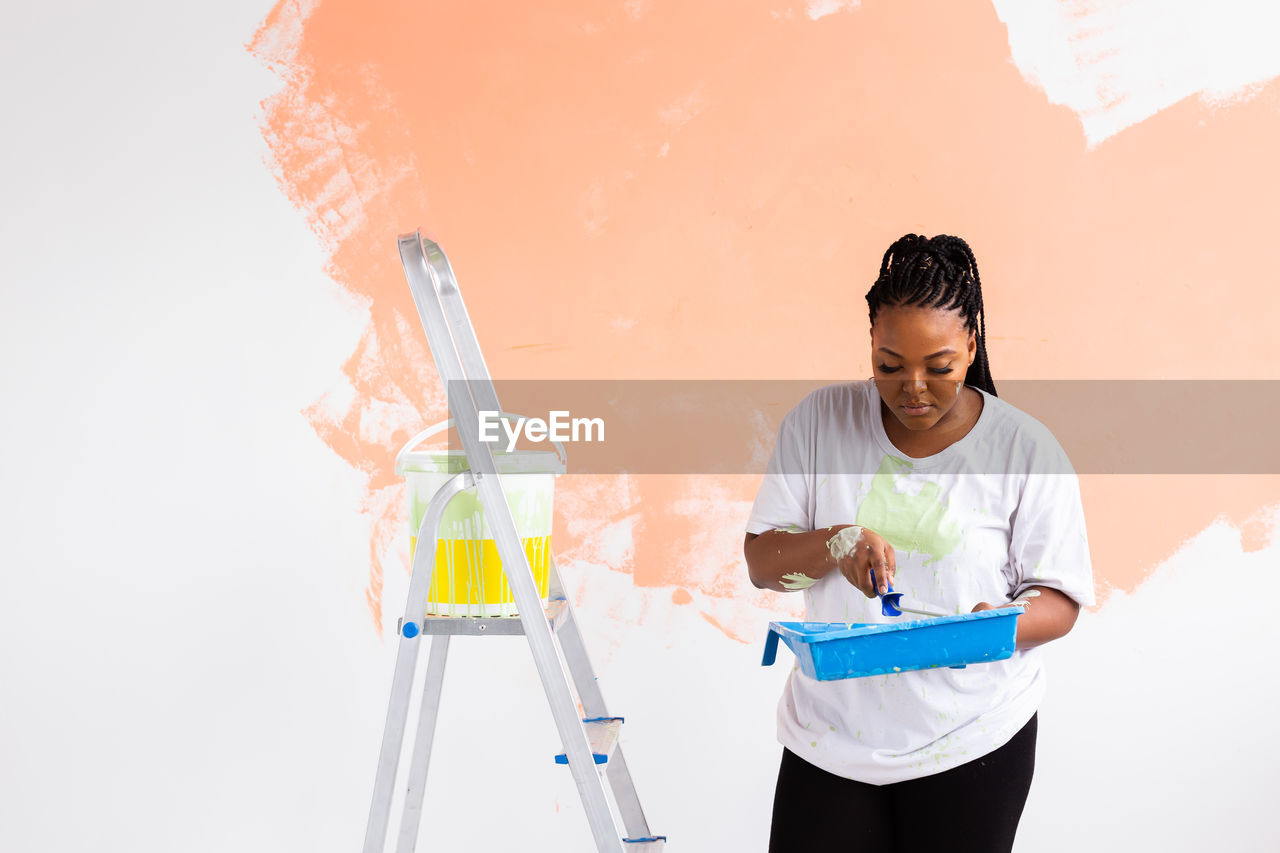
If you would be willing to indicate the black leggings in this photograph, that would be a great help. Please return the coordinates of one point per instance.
(973, 807)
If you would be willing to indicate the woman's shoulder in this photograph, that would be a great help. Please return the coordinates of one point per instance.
(835, 397)
(836, 400)
(1020, 431)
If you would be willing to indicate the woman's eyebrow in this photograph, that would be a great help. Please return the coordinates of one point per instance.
(947, 351)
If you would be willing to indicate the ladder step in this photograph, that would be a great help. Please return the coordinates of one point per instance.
(602, 734)
(557, 610)
(480, 626)
(645, 845)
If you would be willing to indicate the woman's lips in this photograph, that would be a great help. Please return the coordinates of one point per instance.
(915, 408)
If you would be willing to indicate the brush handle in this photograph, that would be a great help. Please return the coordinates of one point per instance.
(888, 600)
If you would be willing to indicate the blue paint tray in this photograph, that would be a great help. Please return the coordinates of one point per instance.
(828, 651)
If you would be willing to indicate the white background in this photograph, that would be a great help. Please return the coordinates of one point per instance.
(186, 658)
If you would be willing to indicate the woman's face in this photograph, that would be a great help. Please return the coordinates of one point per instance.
(920, 356)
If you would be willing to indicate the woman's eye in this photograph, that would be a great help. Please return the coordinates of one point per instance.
(940, 371)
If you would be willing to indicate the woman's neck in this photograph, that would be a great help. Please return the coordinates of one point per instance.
(952, 427)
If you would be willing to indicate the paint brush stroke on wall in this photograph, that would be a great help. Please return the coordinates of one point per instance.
(816, 9)
(1116, 64)
(669, 190)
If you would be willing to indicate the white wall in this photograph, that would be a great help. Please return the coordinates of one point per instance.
(185, 655)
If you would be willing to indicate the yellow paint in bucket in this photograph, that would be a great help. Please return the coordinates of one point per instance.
(468, 579)
(469, 576)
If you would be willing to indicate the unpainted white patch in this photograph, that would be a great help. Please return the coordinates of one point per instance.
(1117, 64)
(1120, 686)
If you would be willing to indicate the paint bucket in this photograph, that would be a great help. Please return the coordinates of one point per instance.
(468, 579)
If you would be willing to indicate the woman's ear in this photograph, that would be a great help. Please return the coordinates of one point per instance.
(973, 347)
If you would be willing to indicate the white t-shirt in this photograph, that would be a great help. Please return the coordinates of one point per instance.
(996, 512)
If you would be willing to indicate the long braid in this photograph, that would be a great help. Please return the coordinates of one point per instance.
(936, 273)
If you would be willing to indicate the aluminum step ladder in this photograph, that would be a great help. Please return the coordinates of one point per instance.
(589, 737)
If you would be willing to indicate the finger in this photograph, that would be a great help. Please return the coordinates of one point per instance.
(875, 561)
(865, 585)
(892, 558)
(879, 559)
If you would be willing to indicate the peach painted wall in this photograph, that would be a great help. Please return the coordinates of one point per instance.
(670, 190)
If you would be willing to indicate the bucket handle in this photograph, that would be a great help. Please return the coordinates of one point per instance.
(444, 425)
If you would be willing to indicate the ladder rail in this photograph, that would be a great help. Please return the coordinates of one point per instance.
(593, 705)
(462, 331)
(432, 687)
(446, 349)
(406, 665)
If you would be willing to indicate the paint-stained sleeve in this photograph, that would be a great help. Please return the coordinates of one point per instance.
(784, 499)
(1048, 545)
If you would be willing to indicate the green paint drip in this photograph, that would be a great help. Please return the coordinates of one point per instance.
(910, 522)
(796, 580)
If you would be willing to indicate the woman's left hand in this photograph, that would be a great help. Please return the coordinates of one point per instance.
(1046, 617)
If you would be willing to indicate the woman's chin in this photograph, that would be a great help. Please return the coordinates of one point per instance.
(919, 423)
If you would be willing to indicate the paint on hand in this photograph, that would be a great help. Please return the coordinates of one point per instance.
(911, 522)
(842, 544)
(796, 580)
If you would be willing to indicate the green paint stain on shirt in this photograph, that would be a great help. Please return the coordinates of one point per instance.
(796, 580)
(911, 522)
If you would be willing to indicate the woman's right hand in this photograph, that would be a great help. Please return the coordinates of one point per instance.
(856, 560)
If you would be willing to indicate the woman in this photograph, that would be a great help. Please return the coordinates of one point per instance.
(930, 482)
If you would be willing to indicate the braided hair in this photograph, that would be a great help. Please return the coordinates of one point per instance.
(936, 273)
